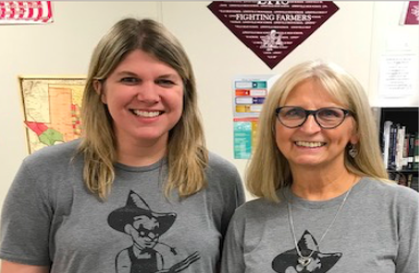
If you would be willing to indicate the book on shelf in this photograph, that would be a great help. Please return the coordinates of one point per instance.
(393, 147)
(400, 147)
(412, 182)
(386, 141)
(405, 157)
(416, 152)
(409, 180)
(411, 152)
(399, 141)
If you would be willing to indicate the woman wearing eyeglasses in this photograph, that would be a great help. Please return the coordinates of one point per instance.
(325, 203)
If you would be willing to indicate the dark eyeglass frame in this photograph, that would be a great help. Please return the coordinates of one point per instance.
(346, 113)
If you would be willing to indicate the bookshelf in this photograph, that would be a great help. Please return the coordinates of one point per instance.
(398, 128)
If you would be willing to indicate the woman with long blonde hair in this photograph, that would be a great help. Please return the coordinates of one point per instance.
(325, 203)
(139, 192)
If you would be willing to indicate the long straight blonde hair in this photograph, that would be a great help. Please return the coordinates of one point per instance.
(187, 155)
(268, 170)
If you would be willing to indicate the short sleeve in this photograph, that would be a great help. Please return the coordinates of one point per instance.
(408, 211)
(25, 221)
(233, 200)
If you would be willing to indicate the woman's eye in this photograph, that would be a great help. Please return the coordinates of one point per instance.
(293, 113)
(329, 113)
(165, 82)
(129, 80)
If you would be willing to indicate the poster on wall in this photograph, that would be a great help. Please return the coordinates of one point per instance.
(249, 94)
(25, 12)
(244, 137)
(51, 109)
(398, 75)
(273, 29)
(410, 14)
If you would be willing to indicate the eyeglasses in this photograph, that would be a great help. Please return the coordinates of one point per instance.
(326, 118)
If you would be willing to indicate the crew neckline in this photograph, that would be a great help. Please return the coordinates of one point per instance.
(309, 204)
(160, 163)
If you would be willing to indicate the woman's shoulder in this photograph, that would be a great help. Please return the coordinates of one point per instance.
(257, 208)
(223, 177)
(217, 163)
(48, 170)
(386, 188)
(53, 155)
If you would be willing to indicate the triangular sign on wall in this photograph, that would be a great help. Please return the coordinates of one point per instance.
(273, 29)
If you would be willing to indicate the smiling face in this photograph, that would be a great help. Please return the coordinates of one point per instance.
(309, 145)
(144, 97)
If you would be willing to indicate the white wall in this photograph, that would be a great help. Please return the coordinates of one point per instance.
(391, 38)
(64, 48)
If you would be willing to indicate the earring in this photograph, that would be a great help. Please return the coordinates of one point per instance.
(353, 151)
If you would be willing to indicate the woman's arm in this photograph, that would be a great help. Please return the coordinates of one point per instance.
(408, 228)
(232, 260)
(9, 267)
(26, 218)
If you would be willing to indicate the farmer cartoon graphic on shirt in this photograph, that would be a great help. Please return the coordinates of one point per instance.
(145, 227)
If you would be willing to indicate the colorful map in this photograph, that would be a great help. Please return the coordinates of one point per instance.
(52, 110)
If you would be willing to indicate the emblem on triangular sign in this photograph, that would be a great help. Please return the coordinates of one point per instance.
(273, 29)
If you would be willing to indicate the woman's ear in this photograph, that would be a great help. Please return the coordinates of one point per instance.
(98, 86)
(354, 139)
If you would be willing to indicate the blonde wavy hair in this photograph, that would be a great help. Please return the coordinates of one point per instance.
(268, 169)
(187, 155)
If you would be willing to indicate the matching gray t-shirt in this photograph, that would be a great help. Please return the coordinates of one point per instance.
(375, 231)
(50, 218)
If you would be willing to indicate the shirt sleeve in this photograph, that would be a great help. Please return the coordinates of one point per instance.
(232, 258)
(26, 215)
(235, 199)
(408, 210)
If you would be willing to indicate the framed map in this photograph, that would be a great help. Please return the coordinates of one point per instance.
(51, 107)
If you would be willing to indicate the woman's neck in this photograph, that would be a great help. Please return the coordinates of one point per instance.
(142, 153)
(318, 185)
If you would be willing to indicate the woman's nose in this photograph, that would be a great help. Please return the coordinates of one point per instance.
(310, 125)
(148, 92)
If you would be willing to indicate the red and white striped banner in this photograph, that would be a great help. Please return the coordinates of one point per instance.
(25, 12)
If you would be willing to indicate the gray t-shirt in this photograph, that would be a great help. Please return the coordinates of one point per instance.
(50, 218)
(375, 231)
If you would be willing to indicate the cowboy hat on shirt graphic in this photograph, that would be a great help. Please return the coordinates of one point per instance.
(145, 227)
